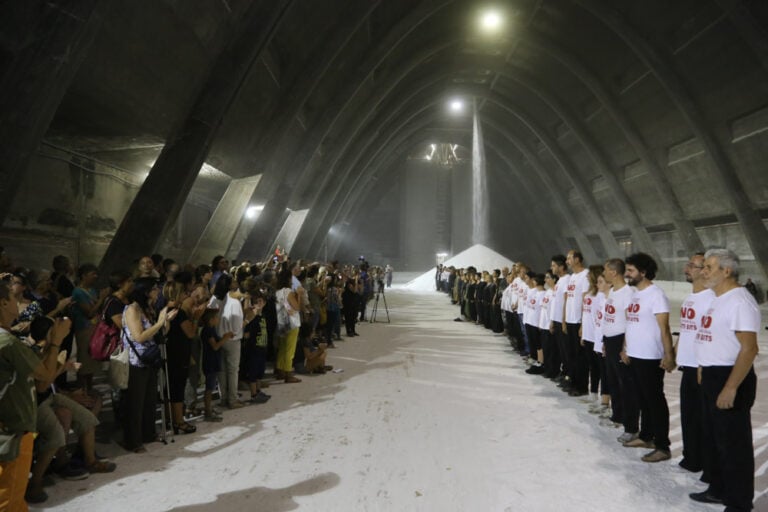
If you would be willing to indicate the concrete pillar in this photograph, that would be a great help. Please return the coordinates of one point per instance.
(228, 216)
(290, 230)
(259, 242)
(47, 41)
(164, 191)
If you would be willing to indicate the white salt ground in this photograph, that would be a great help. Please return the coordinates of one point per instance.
(429, 415)
(479, 256)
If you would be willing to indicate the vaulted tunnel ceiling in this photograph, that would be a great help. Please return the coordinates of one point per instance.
(604, 120)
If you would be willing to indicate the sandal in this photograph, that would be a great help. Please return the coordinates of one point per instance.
(102, 466)
(184, 428)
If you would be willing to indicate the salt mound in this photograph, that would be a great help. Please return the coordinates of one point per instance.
(478, 256)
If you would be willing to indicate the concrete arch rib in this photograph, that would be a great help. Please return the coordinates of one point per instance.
(321, 127)
(343, 205)
(292, 100)
(607, 239)
(565, 166)
(730, 185)
(748, 28)
(688, 235)
(513, 181)
(394, 159)
(577, 128)
(364, 134)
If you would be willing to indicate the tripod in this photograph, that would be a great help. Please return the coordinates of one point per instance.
(379, 293)
(163, 391)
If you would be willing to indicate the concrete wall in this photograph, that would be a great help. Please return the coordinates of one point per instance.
(70, 205)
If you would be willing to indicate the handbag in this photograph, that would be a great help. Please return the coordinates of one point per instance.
(151, 357)
(119, 368)
(105, 338)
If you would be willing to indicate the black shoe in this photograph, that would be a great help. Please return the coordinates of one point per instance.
(260, 398)
(693, 468)
(35, 497)
(73, 473)
(576, 392)
(705, 497)
(535, 370)
(457, 319)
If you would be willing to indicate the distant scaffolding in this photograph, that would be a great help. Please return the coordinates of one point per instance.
(441, 154)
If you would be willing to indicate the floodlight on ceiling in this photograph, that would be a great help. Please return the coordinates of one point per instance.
(456, 106)
(252, 211)
(491, 21)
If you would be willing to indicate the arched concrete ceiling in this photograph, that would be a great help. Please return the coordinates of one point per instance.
(647, 116)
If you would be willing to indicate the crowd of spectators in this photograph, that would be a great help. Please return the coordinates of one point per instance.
(189, 331)
(602, 334)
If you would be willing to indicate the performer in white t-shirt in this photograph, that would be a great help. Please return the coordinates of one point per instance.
(522, 297)
(532, 319)
(577, 357)
(515, 332)
(613, 326)
(649, 353)
(588, 329)
(557, 318)
(726, 347)
(692, 309)
(598, 310)
(548, 345)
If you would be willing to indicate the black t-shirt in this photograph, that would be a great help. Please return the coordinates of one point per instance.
(62, 284)
(211, 357)
(114, 307)
(179, 346)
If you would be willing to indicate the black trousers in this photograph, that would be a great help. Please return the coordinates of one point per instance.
(559, 341)
(140, 403)
(511, 325)
(578, 362)
(605, 389)
(649, 383)
(551, 359)
(349, 322)
(691, 410)
(497, 324)
(729, 454)
(593, 360)
(615, 372)
(523, 344)
(533, 339)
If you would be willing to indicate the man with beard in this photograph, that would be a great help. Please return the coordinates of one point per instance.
(726, 347)
(648, 352)
(692, 309)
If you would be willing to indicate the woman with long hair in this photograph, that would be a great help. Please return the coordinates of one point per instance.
(140, 326)
(589, 333)
(182, 330)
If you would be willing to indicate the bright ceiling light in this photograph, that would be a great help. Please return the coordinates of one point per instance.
(456, 106)
(252, 211)
(491, 21)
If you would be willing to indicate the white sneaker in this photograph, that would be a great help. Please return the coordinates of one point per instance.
(606, 413)
(607, 422)
(627, 437)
